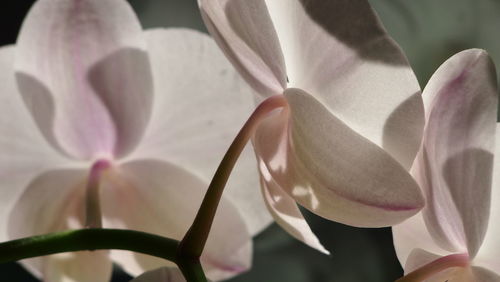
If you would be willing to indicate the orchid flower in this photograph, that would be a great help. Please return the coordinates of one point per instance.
(352, 118)
(106, 125)
(455, 237)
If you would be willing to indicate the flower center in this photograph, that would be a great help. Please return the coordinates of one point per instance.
(93, 215)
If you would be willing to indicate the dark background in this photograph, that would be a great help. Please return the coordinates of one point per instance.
(428, 30)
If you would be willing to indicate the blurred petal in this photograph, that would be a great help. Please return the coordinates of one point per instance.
(339, 52)
(25, 153)
(409, 237)
(245, 32)
(168, 198)
(489, 253)
(54, 201)
(455, 164)
(485, 275)
(164, 274)
(82, 69)
(333, 171)
(201, 104)
(286, 212)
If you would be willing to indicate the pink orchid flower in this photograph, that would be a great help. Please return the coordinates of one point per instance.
(164, 274)
(104, 124)
(353, 116)
(456, 236)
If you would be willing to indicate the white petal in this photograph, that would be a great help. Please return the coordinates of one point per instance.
(412, 235)
(331, 170)
(200, 105)
(164, 274)
(338, 51)
(246, 34)
(489, 253)
(25, 153)
(54, 201)
(285, 211)
(161, 198)
(83, 71)
(455, 164)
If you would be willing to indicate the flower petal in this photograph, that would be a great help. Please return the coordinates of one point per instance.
(489, 253)
(82, 69)
(286, 212)
(164, 274)
(412, 237)
(331, 170)
(25, 153)
(339, 52)
(54, 201)
(159, 197)
(455, 163)
(246, 34)
(201, 104)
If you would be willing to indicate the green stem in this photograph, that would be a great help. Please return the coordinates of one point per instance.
(193, 243)
(89, 239)
(192, 270)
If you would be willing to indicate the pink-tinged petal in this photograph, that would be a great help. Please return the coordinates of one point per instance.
(54, 201)
(331, 170)
(412, 235)
(489, 253)
(83, 71)
(200, 105)
(428, 267)
(161, 198)
(245, 32)
(164, 274)
(338, 51)
(24, 152)
(286, 213)
(454, 166)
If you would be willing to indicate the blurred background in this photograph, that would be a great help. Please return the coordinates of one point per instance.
(429, 31)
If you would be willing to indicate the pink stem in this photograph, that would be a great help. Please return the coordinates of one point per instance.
(93, 207)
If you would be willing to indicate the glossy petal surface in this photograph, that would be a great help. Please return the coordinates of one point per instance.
(83, 72)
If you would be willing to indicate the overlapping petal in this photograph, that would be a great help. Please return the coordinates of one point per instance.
(38, 212)
(165, 199)
(331, 170)
(245, 32)
(24, 152)
(200, 104)
(455, 164)
(339, 52)
(488, 253)
(82, 69)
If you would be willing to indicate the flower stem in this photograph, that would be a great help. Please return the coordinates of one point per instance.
(426, 271)
(90, 240)
(194, 241)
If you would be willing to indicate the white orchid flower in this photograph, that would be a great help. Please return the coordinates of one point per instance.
(353, 114)
(456, 236)
(103, 124)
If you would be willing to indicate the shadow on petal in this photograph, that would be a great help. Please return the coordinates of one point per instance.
(126, 94)
(40, 103)
(352, 22)
(402, 134)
